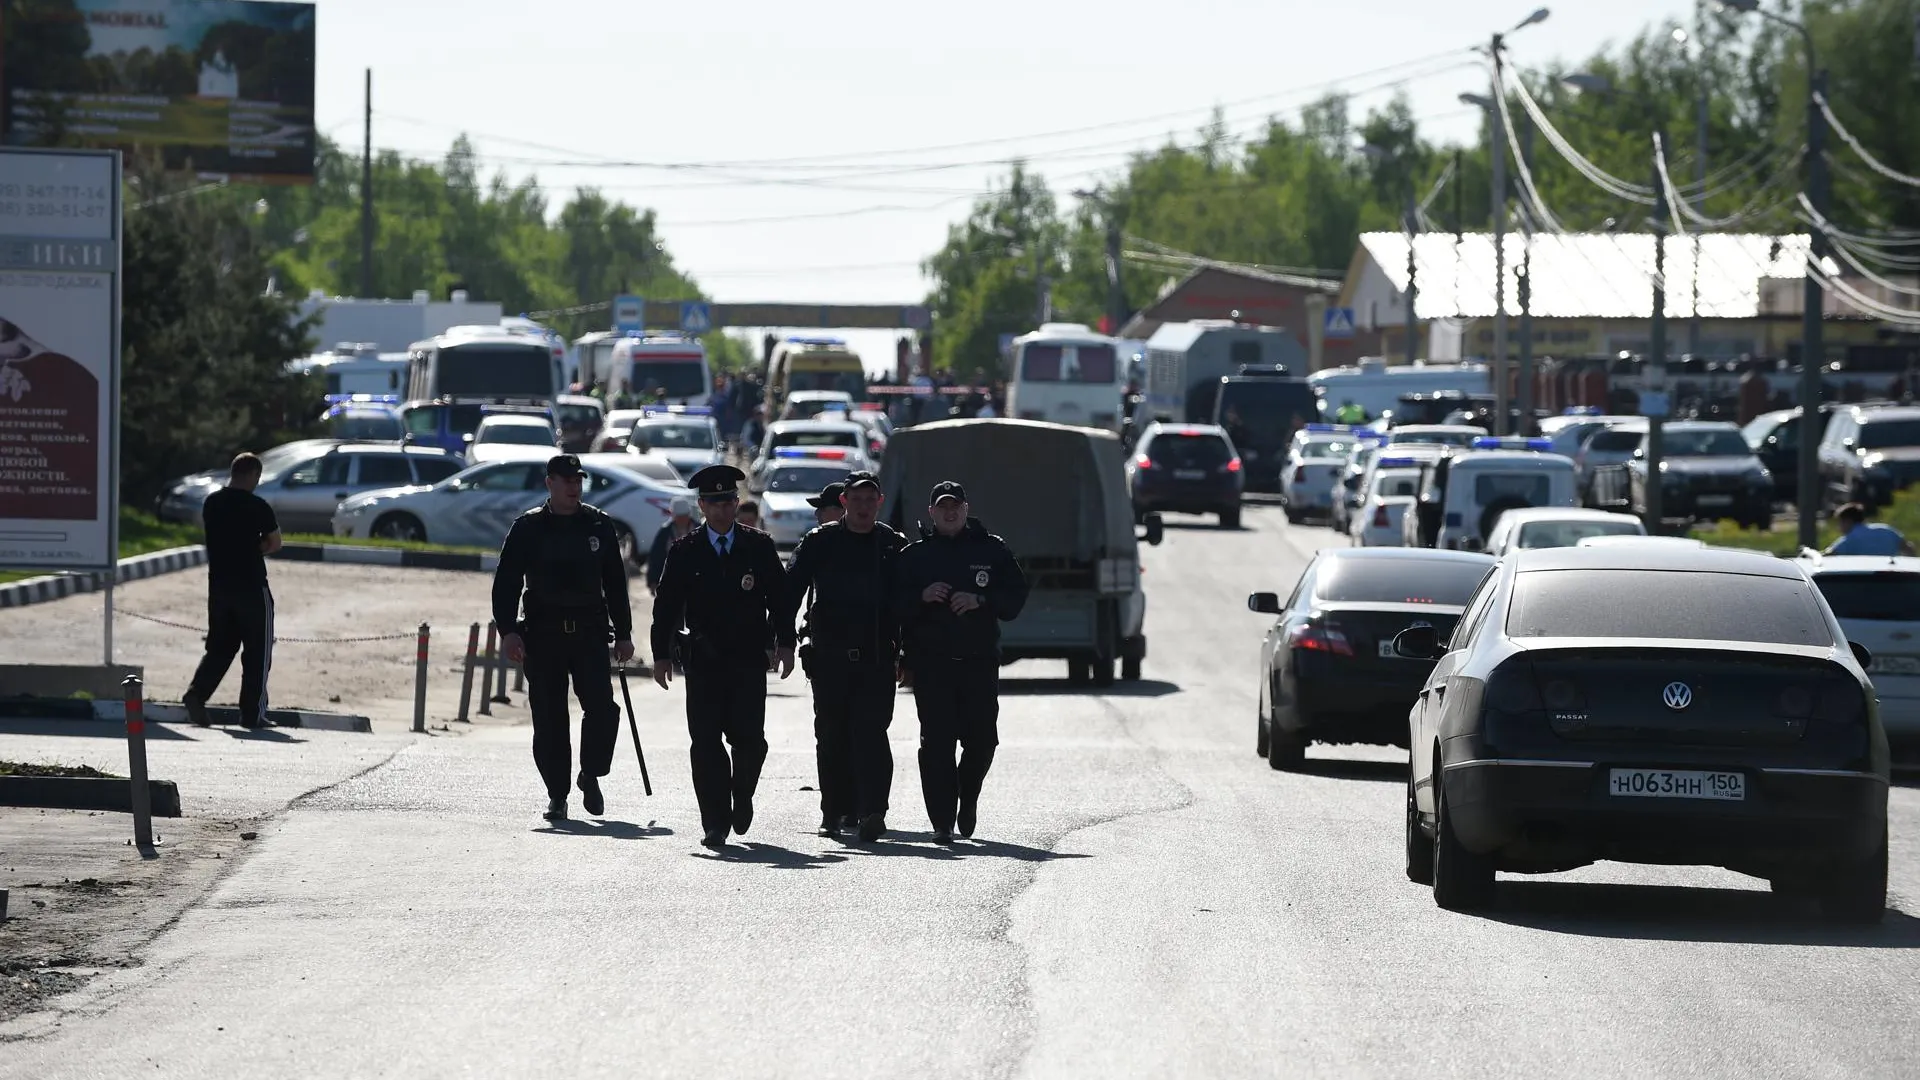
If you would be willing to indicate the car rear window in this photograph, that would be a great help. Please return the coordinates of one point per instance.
(1665, 604)
(1886, 596)
(1188, 451)
(1398, 581)
(1532, 488)
(1555, 534)
(1615, 442)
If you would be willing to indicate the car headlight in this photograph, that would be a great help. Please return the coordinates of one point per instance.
(1874, 463)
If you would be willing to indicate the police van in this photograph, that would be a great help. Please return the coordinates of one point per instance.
(1463, 494)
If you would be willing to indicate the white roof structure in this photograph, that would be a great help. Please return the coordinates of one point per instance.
(1575, 275)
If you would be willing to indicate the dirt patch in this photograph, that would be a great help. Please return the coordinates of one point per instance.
(27, 768)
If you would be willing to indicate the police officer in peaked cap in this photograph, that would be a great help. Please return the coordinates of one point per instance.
(567, 556)
(718, 611)
(955, 586)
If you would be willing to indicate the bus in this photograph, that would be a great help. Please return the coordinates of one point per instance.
(813, 363)
(1065, 373)
(355, 369)
(488, 363)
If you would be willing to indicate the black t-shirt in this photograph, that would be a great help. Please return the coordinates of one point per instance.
(236, 521)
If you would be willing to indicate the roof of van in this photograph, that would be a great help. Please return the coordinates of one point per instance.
(1182, 335)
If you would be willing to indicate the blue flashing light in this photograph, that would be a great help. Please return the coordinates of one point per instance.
(368, 399)
(1376, 437)
(1487, 443)
(815, 339)
(1329, 427)
(676, 410)
(1582, 410)
(1399, 463)
(1539, 444)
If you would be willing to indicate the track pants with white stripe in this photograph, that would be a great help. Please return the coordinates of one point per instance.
(238, 621)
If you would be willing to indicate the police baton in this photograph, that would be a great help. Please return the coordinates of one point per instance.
(634, 726)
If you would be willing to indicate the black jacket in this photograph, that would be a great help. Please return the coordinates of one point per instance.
(973, 561)
(730, 608)
(852, 578)
(571, 568)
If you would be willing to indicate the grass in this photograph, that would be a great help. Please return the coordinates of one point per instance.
(1903, 514)
(408, 545)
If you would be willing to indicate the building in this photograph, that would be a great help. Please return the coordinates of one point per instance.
(1591, 294)
(391, 326)
(1296, 305)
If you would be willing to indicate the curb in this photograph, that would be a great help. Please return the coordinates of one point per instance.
(86, 793)
(39, 590)
(379, 556)
(223, 716)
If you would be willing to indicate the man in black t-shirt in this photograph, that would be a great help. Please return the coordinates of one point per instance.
(241, 532)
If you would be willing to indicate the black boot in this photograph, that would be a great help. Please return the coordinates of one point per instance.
(590, 797)
(873, 827)
(969, 809)
(196, 709)
(556, 810)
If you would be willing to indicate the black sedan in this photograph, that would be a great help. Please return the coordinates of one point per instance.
(1648, 703)
(1328, 669)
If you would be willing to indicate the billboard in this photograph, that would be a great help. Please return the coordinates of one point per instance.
(213, 87)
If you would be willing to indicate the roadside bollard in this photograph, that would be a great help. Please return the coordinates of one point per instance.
(466, 678)
(420, 680)
(137, 763)
(519, 678)
(498, 662)
(486, 675)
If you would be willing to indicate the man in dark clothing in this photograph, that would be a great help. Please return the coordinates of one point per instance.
(718, 611)
(679, 523)
(241, 532)
(567, 556)
(853, 636)
(954, 587)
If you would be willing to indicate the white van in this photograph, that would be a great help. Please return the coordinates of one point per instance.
(1065, 373)
(1463, 495)
(1376, 386)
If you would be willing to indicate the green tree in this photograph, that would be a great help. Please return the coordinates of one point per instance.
(988, 274)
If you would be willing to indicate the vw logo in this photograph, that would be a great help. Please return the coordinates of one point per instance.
(1677, 695)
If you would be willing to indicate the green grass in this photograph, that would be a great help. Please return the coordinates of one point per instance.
(21, 768)
(1903, 514)
(408, 545)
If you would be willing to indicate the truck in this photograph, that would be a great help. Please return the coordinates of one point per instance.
(1187, 360)
(1058, 496)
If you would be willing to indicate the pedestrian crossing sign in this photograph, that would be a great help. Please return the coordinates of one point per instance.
(696, 317)
(1339, 322)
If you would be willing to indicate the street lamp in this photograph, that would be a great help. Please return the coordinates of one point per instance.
(1588, 83)
(1381, 154)
(1116, 296)
(1812, 350)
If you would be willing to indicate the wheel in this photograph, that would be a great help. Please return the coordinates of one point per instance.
(1130, 670)
(1102, 671)
(1286, 752)
(1419, 844)
(1260, 729)
(1857, 894)
(399, 526)
(1462, 880)
(1293, 516)
(1078, 671)
(1230, 519)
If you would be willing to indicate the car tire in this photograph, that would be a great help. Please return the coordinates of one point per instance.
(1462, 880)
(1079, 671)
(1286, 752)
(1230, 519)
(1260, 731)
(1857, 894)
(1130, 670)
(1293, 516)
(1419, 844)
(1103, 670)
(398, 526)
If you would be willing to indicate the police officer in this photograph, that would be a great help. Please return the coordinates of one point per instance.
(567, 555)
(722, 595)
(954, 587)
(826, 505)
(853, 634)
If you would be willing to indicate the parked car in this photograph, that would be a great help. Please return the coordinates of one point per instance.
(305, 487)
(1775, 439)
(783, 486)
(688, 443)
(180, 500)
(501, 437)
(1870, 452)
(1707, 473)
(581, 418)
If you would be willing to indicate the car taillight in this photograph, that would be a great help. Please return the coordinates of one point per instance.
(1320, 637)
(1511, 688)
(1840, 701)
(1380, 516)
(1299, 473)
(1143, 462)
(1233, 466)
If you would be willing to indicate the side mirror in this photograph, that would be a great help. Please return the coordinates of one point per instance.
(1418, 643)
(1156, 530)
(1861, 654)
(1264, 603)
(467, 438)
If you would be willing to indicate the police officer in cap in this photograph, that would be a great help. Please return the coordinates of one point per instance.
(853, 636)
(955, 586)
(720, 608)
(567, 556)
(826, 505)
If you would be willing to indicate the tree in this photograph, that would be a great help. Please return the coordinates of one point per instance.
(1009, 244)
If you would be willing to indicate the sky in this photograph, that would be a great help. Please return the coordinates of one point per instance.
(817, 152)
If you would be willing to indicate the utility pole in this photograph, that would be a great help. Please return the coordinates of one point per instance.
(1526, 297)
(1413, 273)
(1116, 294)
(1655, 380)
(1499, 198)
(1702, 112)
(1812, 349)
(366, 198)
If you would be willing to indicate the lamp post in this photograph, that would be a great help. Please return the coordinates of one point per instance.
(1116, 296)
(1410, 227)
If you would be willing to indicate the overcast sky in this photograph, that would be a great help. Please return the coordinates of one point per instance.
(850, 133)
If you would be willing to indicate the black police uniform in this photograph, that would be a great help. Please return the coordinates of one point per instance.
(955, 659)
(720, 616)
(853, 633)
(576, 599)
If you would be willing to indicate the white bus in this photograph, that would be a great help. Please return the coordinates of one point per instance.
(520, 362)
(1376, 386)
(355, 369)
(1065, 373)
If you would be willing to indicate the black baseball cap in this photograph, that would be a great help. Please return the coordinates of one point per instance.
(947, 489)
(856, 480)
(567, 465)
(829, 495)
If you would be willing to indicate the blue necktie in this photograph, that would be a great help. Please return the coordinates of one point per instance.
(723, 547)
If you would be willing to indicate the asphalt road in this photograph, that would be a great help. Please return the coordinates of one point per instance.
(1145, 898)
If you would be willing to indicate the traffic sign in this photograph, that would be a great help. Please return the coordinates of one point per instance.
(629, 313)
(1339, 322)
(696, 317)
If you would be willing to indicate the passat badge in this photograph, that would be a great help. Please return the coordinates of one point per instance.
(593, 543)
(1677, 695)
(746, 583)
(980, 579)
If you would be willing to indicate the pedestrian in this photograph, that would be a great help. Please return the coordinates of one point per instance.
(241, 531)
(826, 505)
(954, 587)
(749, 514)
(1858, 536)
(722, 592)
(853, 645)
(566, 555)
(679, 523)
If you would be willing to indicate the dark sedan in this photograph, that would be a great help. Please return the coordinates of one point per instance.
(1648, 703)
(1328, 670)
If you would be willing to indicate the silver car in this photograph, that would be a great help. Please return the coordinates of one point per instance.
(305, 488)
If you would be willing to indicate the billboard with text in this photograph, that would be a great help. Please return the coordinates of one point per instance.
(213, 87)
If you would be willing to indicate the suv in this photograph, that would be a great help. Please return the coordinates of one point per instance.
(1463, 495)
(1707, 473)
(1186, 468)
(1868, 453)
(1775, 438)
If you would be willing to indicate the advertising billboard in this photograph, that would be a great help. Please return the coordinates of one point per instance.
(213, 87)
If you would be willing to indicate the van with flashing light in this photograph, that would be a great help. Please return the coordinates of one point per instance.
(1377, 386)
(1065, 373)
(352, 368)
(808, 362)
(1463, 494)
(522, 361)
(672, 365)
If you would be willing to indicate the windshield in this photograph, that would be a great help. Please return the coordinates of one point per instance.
(799, 478)
(1399, 581)
(364, 426)
(1713, 442)
(673, 378)
(816, 437)
(1614, 441)
(1757, 430)
(1264, 412)
(808, 408)
(497, 370)
(1188, 451)
(1888, 596)
(674, 436)
(1553, 534)
(579, 416)
(1666, 604)
(1885, 433)
(1088, 364)
(1397, 483)
(1325, 448)
(852, 383)
(516, 434)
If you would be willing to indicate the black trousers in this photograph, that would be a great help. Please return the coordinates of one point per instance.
(238, 621)
(958, 702)
(852, 710)
(554, 657)
(726, 699)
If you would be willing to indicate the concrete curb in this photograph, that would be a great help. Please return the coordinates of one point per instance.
(223, 716)
(379, 556)
(39, 590)
(86, 793)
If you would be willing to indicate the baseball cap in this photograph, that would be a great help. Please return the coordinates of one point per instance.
(947, 489)
(564, 465)
(856, 480)
(829, 495)
(682, 506)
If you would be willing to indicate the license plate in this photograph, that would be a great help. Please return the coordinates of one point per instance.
(1715, 500)
(1386, 649)
(1189, 474)
(1678, 784)
(1895, 665)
